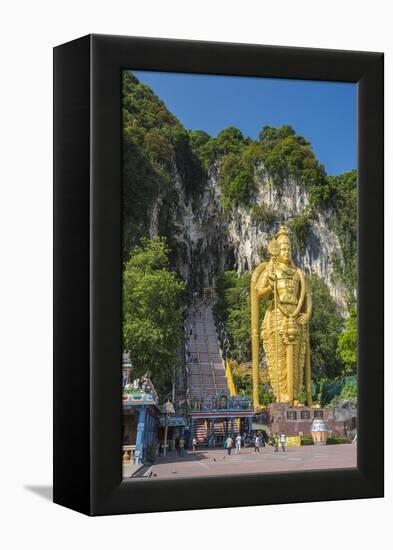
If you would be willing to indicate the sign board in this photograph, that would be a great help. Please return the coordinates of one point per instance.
(173, 421)
(293, 441)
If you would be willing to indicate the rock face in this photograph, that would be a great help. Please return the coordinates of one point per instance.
(206, 240)
(172, 188)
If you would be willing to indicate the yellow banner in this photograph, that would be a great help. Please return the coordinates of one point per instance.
(228, 374)
(293, 441)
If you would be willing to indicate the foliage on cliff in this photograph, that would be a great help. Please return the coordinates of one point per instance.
(279, 153)
(156, 150)
(344, 203)
(288, 155)
(152, 312)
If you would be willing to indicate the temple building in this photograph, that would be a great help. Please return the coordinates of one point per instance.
(141, 414)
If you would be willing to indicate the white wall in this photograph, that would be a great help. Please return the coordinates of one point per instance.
(29, 30)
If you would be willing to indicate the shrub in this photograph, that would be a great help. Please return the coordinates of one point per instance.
(300, 226)
(261, 213)
(337, 440)
(237, 181)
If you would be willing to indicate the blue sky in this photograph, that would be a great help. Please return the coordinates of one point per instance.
(323, 112)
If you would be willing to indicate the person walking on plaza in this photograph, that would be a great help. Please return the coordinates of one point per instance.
(257, 443)
(181, 446)
(276, 439)
(238, 443)
(194, 444)
(228, 444)
(283, 440)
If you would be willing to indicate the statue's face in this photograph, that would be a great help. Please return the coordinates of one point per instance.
(285, 252)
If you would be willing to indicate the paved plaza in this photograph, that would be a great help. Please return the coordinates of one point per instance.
(212, 462)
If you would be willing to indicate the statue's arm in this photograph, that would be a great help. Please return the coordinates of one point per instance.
(304, 317)
(308, 301)
(264, 287)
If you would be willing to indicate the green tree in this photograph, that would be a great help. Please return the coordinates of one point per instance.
(300, 225)
(287, 155)
(153, 299)
(348, 344)
(230, 140)
(325, 328)
(237, 181)
(344, 204)
(156, 149)
(270, 134)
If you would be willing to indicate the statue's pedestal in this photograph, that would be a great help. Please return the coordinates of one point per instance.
(295, 421)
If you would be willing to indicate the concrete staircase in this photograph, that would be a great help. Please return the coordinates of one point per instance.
(205, 365)
(221, 431)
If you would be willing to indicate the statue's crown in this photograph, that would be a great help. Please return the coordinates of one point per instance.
(283, 235)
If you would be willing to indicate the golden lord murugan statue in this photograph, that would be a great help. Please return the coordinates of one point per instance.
(285, 325)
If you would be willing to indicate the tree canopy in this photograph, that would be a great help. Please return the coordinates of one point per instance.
(347, 343)
(344, 203)
(156, 148)
(325, 328)
(153, 299)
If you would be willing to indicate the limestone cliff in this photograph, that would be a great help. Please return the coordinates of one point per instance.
(209, 240)
(177, 183)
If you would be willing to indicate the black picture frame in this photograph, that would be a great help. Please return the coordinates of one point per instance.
(87, 274)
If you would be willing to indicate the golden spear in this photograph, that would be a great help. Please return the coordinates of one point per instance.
(274, 250)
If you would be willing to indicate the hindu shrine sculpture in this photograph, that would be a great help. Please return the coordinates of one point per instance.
(285, 333)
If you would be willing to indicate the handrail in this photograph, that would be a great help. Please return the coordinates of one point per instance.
(210, 358)
(198, 359)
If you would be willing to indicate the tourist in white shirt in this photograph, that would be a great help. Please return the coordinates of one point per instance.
(283, 439)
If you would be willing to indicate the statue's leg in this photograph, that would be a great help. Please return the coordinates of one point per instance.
(275, 351)
(290, 373)
(282, 369)
(299, 364)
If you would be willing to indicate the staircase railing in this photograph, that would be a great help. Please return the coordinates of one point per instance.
(197, 351)
(210, 358)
